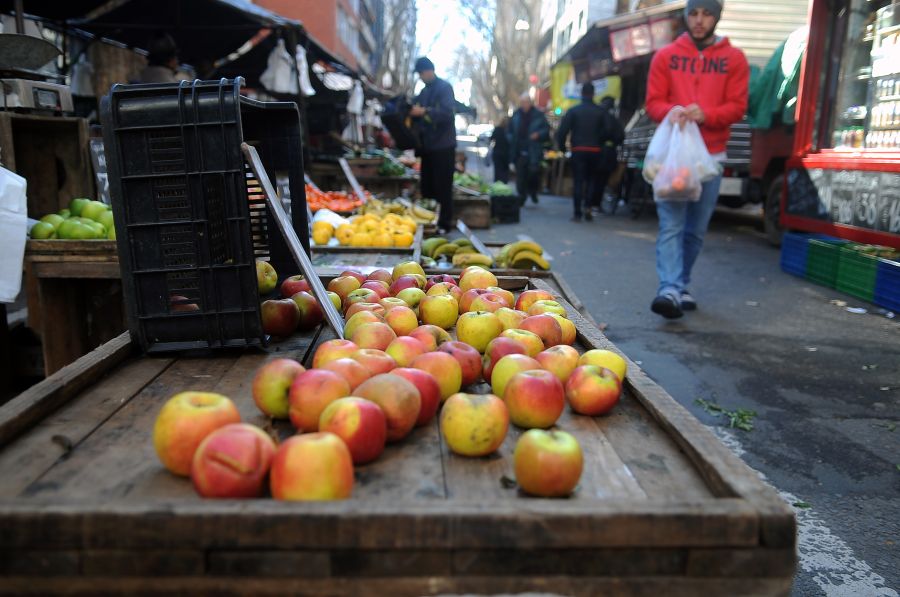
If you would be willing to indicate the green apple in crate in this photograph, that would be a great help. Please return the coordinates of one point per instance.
(266, 277)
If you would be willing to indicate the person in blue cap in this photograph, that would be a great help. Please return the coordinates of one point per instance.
(433, 115)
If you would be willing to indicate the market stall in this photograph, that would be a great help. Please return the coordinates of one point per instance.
(844, 176)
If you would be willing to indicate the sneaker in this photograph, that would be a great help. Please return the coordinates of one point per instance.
(588, 216)
(667, 306)
(687, 302)
(534, 199)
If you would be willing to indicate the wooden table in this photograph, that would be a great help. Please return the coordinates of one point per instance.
(663, 508)
(74, 295)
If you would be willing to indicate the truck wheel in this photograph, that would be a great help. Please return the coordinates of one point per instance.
(772, 212)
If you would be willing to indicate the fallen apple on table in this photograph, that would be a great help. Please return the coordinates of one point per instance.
(280, 317)
(232, 462)
(360, 423)
(429, 391)
(310, 393)
(313, 466)
(293, 285)
(272, 384)
(474, 424)
(547, 463)
(331, 350)
(593, 390)
(605, 358)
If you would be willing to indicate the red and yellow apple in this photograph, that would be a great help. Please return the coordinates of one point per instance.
(469, 360)
(380, 288)
(531, 341)
(360, 295)
(445, 288)
(404, 350)
(529, 297)
(535, 399)
(605, 358)
(444, 368)
(439, 278)
(441, 310)
(266, 277)
(398, 398)
(376, 308)
(293, 285)
(382, 275)
(335, 299)
(489, 301)
(559, 360)
(496, 349)
(374, 360)
(331, 350)
(547, 463)
(467, 297)
(311, 392)
(407, 267)
(431, 336)
(352, 272)
(374, 334)
(360, 423)
(411, 296)
(232, 462)
(593, 390)
(271, 386)
(402, 283)
(474, 424)
(351, 370)
(508, 296)
(359, 318)
(402, 320)
(569, 332)
(311, 314)
(478, 328)
(546, 306)
(184, 421)
(280, 317)
(429, 391)
(508, 366)
(313, 466)
(544, 326)
(343, 285)
(391, 302)
(477, 278)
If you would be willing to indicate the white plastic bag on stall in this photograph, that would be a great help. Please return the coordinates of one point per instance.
(279, 74)
(13, 229)
(303, 72)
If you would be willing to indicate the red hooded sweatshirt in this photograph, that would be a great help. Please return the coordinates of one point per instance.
(716, 79)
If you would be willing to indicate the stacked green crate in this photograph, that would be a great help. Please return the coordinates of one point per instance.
(856, 271)
(822, 260)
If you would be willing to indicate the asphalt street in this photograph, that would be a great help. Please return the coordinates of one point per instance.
(823, 380)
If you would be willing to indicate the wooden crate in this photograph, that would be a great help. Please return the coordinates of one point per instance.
(74, 294)
(475, 212)
(663, 508)
(337, 256)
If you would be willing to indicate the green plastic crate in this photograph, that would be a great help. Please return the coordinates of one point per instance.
(856, 272)
(822, 261)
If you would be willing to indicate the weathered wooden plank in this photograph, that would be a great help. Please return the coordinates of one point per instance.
(66, 249)
(34, 404)
(372, 524)
(120, 455)
(269, 563)
(77, 269)
(124, 563)
(25, 460)
(547, 586)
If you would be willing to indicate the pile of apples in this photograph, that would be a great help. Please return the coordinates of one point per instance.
(397, 367)
(83, 219)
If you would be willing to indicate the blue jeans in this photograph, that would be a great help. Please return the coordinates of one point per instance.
(682, 226)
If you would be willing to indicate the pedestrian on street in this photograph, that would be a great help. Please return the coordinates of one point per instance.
(585, 122)
(702, 78)
(528, 132)
(614, 135)
(500, 151)
(433, 115)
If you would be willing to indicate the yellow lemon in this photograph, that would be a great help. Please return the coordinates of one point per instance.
(361, 239)
(382, 240)
(345, 234)
(403, 239)
(321, 236)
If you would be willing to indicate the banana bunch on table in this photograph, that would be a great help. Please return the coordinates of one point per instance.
(381, 208)
(523, 254)
(459, 252)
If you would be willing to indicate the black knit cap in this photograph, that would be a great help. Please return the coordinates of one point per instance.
(713, 6)
(423, 64)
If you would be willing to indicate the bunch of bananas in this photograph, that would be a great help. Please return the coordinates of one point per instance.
(460, 252)
(523, 254)
(369, 230)
(417, 213)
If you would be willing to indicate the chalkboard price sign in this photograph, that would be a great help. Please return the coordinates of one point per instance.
(858, 198)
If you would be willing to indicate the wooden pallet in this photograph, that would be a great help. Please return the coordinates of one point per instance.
(663, 508)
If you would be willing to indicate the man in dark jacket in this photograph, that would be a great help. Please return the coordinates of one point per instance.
(528, 131)
(434, 117)
(586, 124)
(500, 151)
(613, 135)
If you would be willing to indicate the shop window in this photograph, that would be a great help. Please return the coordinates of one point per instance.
(865, 83)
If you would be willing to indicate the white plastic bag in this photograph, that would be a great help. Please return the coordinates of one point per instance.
(684, 150)
(13, 228)
(279, 74)
(658, 149)
(303, 71)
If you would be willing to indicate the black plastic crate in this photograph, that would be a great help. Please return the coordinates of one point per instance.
(505, 209)
(190, 219)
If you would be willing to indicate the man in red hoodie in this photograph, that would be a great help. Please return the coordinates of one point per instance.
(702, 78)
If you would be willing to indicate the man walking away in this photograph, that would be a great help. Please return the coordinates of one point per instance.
(702, 78)
(500, 151)
(614, 135)
(528, 131)
(585, 122)
(434, 117)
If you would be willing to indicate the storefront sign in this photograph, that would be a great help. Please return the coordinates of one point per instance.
(640, 40)
(861, 198)
(565, 90)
